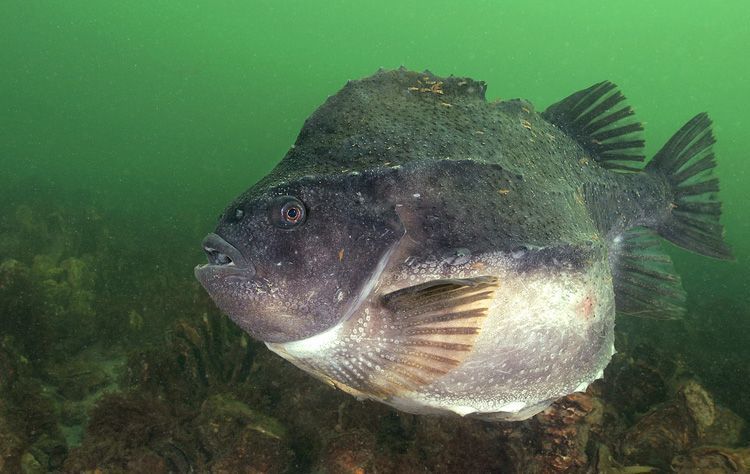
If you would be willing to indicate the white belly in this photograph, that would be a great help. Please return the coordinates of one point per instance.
(545, 336)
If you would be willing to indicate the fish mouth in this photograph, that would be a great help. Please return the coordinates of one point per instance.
(223, 259)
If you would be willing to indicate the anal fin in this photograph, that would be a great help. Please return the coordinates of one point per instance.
(645, 281)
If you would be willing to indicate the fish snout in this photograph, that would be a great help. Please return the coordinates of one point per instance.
(222, 254)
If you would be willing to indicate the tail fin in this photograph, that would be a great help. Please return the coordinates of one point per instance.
(686, 162)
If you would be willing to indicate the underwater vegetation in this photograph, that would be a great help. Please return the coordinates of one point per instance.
(106, 366)
(127, 126)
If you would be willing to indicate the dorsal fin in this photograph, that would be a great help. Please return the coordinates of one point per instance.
(591, 118)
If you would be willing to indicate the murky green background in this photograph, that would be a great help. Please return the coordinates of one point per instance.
(149, 116)
(166, 109)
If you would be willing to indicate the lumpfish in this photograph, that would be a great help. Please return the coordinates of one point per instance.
(429, 249)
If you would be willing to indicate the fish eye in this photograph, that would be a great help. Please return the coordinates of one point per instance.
(287, 212)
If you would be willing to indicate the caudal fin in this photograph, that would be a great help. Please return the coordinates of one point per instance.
(686, 162)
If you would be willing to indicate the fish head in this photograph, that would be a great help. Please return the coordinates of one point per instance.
(292, 259)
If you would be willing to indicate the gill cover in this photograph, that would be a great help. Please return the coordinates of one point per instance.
(310, 276)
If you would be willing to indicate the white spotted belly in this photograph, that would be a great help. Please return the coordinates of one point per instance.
(546, 336)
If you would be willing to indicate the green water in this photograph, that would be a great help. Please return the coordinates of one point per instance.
(136, 122)
(169, 109)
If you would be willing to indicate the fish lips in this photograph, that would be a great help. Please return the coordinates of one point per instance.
(225, 263)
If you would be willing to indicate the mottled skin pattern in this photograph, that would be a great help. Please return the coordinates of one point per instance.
(410, 178)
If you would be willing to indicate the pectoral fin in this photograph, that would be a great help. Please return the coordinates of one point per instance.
(406, 340)
(430, 329)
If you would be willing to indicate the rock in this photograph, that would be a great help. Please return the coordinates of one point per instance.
(562, 431)
(712, 460)
(700, 406)
(30, 465)
(11, 445)
(211, 351)
(241, 439)
(49, 452)
(634, 383)
(418, 444)
(350, 453)
(11, 271)
(605, 463)
(8, 363)
(675, 427)
(222, 416)
(72, 413)
(147, 463)
(253, 452)
(726, 429)
(78, 378)
(17, 305)
(132, 430)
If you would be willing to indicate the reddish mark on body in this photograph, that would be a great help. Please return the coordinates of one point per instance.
(478, 266)
(586, 307)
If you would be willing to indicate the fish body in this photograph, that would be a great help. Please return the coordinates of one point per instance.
(425, 248)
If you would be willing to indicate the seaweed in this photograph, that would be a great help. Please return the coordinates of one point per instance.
(126, 433)
(112, 364)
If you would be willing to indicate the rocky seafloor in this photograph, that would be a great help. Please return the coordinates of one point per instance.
(112, 359)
